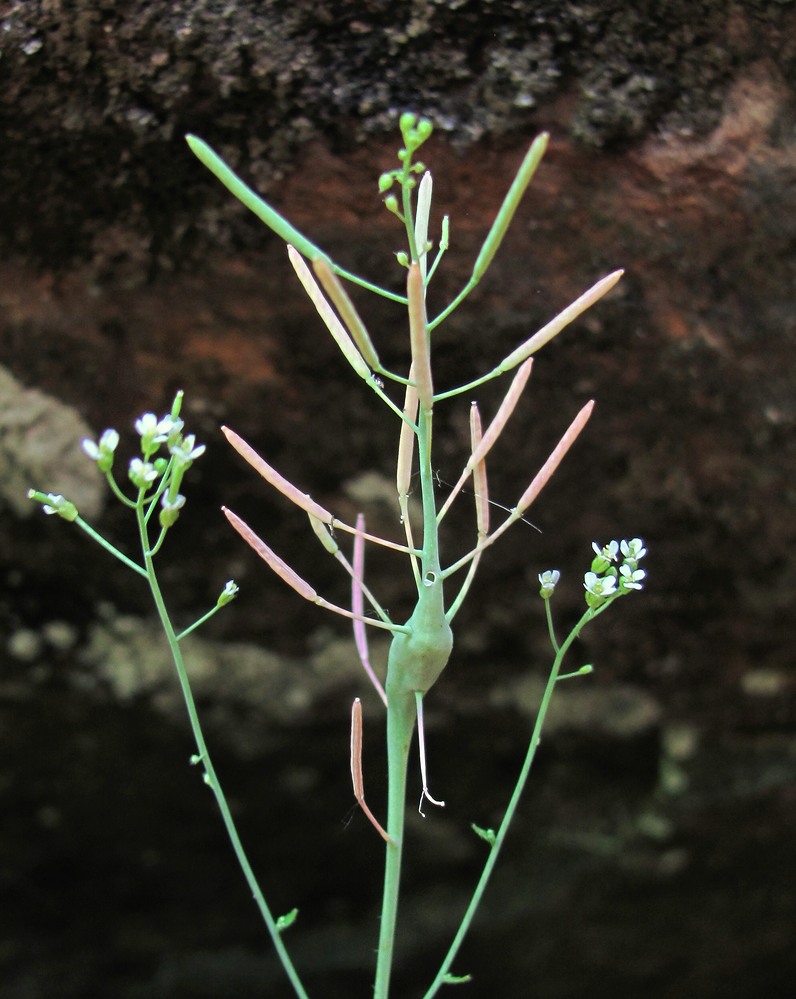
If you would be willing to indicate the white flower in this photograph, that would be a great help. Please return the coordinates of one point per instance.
(599, 586)
(171, 509)
(184, 452)
(153, 430)
(548, 580)
(229, 592)
(633, 550)
(102, 451)
(142, 473)
(172, 504)
(631, 578)
(609, 552)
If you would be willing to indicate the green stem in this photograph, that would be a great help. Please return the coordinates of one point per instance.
(368, 286)
(197, 624)
(210, 774)
(400, 725)
(510, 810)
(402, 685)
(117, 492)
(109, 547)
(452, 305)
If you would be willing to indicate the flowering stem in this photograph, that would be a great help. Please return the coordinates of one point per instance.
(550, 628)
(497, 844)
(117, 492)
(109, 547)
(205, 617)
(203, 755)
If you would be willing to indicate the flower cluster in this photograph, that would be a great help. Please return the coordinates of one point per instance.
(415, 131)
(148, 472)
(608, 577)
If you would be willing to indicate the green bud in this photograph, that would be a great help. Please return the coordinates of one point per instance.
(287, 920)
(488, 835)
(229, 593)
(548, 581)
(170, 509)
(385, 182)
(402, 258)
(142, 473)
(407, 121)
(424, 129)
(102, 452)
(177, 405)
(391, 204)
(54, 503)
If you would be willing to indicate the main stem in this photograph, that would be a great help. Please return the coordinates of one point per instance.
(400, 725)
(402, 680)
(210, 773)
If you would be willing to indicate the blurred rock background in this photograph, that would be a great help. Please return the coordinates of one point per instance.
(655, 849)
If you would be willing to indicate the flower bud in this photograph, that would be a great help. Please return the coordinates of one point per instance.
(229, 593)
(54, 503)
(142, 473)
(102, 452)
(424, 129)
(171, 509)
(548, 580)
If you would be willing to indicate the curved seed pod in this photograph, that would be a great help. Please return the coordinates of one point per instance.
(264, 212)
(348, 313)
(510, 203)
(480, 484)
(357, 779)
(422, 212)
(564, 318)
(278, 481)
(555, 458)
(327, 314)
(269, 556)
(418, 333)
(492, 433)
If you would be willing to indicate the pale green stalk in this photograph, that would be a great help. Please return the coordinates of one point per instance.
(500, 835)
(415, 661)
(271, 217)
(204, 758)
(109, 547)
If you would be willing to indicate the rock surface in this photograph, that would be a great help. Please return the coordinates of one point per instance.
(654, 847)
